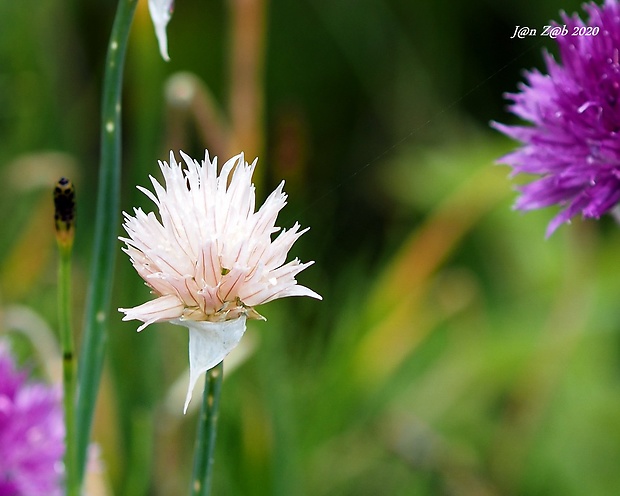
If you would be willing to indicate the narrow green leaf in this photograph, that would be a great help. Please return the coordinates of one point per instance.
(104, 252)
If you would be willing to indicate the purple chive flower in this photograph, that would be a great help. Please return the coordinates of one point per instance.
(31, 434)
(574, 142)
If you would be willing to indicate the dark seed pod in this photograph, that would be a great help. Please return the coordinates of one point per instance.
(64, 210)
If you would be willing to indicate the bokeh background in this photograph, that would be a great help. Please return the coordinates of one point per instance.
(456, 351)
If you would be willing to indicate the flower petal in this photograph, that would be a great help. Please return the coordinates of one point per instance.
(160, 309)
(161, 12)
(209, 343)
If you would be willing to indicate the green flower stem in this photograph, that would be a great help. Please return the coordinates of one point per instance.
(207, 428)
(104, 251)
(68, 368)
(64, 219)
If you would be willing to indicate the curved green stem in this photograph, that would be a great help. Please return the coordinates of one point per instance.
(104, 251)
(207, 429)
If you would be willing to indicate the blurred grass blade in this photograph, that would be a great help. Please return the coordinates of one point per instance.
(207, 429)
(104, 252)
(406, 278)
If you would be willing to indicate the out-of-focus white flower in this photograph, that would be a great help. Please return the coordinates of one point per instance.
(161, 12)
(210, 259)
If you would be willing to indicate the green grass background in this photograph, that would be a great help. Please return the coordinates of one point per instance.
(456, 351)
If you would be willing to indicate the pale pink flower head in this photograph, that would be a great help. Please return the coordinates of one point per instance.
(210, 257)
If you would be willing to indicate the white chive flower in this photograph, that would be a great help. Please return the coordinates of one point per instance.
(210, 257)
(161, 12)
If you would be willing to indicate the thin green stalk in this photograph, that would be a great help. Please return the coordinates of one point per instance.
(68, 370)
(106, 224)
(64, 202)
(207, 429)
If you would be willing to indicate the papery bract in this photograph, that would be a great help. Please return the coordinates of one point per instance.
(161, 13)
